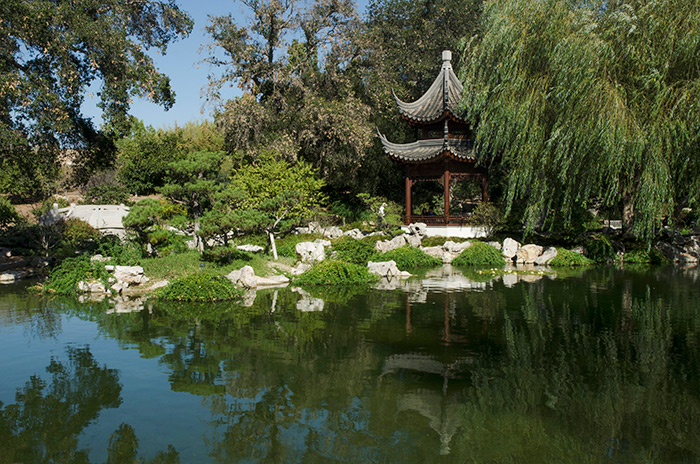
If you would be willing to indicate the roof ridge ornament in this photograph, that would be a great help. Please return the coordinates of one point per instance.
(446, 58)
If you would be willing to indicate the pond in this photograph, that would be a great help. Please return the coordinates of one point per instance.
(597, 365)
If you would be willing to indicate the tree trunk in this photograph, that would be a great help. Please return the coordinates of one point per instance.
(272, 244)
(199, 243)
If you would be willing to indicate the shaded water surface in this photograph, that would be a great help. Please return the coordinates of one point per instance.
(596, 366)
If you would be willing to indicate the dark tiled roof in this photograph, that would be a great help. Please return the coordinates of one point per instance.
(442, 97)
(426, 150)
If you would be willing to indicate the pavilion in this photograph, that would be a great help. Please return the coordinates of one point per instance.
(445, 152)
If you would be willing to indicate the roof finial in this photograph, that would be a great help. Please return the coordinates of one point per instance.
(446, 56)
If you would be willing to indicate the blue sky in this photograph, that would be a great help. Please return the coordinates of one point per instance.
(187, 75)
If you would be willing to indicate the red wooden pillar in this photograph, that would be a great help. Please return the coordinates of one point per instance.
(446, 181)
(409, 183)
(484, 188)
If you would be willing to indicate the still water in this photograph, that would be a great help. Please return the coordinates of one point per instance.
(601, 365)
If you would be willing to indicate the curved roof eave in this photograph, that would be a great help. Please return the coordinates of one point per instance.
(442, 97)
(427, 150)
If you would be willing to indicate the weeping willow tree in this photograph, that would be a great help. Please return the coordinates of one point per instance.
(589, 100)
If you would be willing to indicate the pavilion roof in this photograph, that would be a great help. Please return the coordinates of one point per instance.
(439, 101)
(427, 150)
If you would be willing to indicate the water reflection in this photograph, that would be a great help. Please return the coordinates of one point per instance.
(603, 367)
(44, 423)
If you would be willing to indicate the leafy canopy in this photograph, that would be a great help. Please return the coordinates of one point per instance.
(589, 100)
(52, 51)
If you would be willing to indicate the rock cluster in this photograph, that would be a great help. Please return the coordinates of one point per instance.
(122, 277)
(527, 254)
(680, 248)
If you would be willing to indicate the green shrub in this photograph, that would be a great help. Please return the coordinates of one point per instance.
(652, 256)
(108, 194)
(599, 249)
(173, 265)
(47, 205)
(354, 251)
(409, 258)
(122, 254)
(8, 214)
(63, 279)
(202, 286)
(332, 272)
(566, 258)
(225, 255)
(77, 233)
(480, 253)
(287, 246)
(487, 215)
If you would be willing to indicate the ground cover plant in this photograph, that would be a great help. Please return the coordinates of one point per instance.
(479, 253)
(63, 279)
(600, 249)
(190, 262)
(409, 258)
(653, 256)
(354, 251)
(202, 286)
(440, 241)
(332, 272)
(567, 258)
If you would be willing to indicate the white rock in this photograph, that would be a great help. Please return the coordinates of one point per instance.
(510, 248)
(333, 232)
(386, 269)
(272, 281)
(546, 256)
(100, 258)
(244, 276)
(9, 277)
(320, 241)
(300, 268)
(250, 248)
(160, 284)
(434, 251)
(527, 254)
(96, 287)
(354, 233)
(412, 240)
(109, 267)
(453, 247)
(310, 252)
(496, 245)
(83, 287)
(417, 228)
(117, 287)
(388, 245)
(130, 275)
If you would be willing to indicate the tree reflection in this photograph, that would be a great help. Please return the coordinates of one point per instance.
(600, 368)
(612, 377)
(45, 422)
